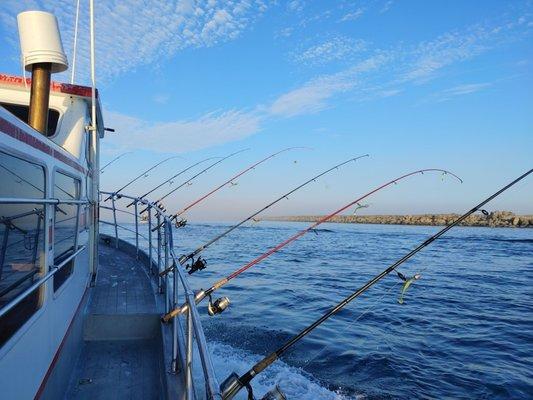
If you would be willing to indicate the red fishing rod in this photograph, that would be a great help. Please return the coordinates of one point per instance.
(230, 181)
(222, 303)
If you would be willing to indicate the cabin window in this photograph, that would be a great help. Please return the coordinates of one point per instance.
(65, 225)
(21, 240)
(21, 112)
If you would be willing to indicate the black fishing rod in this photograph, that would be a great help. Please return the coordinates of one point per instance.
(140, 176)
(113, 160)
(172, 177)
(158, 201)
(233, 384)
(231, 180)
(202, 294)
(185, 258)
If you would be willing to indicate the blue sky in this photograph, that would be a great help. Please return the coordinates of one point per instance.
(415, 84)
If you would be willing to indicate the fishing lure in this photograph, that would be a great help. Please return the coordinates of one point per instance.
(407, 282)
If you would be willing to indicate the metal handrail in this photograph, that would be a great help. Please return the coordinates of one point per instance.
(17, 200)
(164, 258)
(53, 270)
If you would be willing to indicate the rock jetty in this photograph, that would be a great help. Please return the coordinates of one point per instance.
(495, 219)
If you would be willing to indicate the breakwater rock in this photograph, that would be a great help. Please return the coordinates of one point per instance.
(496, 219)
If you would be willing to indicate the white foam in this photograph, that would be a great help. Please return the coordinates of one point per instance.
(295, 383)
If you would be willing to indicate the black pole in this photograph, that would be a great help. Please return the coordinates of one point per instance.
(172, 177)
(140, 176)
(265, 362)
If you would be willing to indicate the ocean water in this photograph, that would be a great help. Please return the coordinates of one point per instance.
(465, 330)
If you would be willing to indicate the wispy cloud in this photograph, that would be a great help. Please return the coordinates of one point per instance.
(386, 7)
(181, 136)
(459, 90)
(353, 15)
(313, 95)
(428, 58)
(135, 34)
(335, 49)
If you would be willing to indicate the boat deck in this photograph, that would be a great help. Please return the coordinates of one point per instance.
(121, 355)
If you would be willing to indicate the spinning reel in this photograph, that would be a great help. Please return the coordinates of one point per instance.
(218, 306)
(197, 265)
(181, 223)
(232, 385)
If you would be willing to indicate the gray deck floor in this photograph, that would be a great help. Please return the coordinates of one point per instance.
(119, 369)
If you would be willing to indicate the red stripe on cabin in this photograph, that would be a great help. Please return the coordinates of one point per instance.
(59, 87)
(19, 134)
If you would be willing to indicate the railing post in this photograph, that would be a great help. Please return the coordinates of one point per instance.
(149, 210)
(136, 231)
(36, 239)
(4, 248)
(165, 265)
(188, 358)
(159, 279)
(115, 221)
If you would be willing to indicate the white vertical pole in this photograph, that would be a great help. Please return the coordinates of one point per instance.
(95, 157)
(75, 42)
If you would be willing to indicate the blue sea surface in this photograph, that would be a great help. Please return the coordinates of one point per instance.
(465, 330)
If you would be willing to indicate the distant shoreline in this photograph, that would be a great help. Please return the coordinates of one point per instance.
(495, 219)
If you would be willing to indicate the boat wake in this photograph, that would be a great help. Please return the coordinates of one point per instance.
(295, 383)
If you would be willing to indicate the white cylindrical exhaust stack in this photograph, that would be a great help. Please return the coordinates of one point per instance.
(40, 41)
(42, 54)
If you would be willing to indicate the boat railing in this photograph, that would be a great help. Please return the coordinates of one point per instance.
(174, 286)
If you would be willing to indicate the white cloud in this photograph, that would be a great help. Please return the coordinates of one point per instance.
(428, 58)
(352, 16)
(181, 136)
(386, 7)
(313, 95)
(335, 49)
(135, 34)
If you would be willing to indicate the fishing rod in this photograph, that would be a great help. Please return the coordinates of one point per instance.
(233, 384)
(140, 176)
(113, 160)
(224, 301)
(230, 181)
(158, 201)
(200, 262)
(172, 177)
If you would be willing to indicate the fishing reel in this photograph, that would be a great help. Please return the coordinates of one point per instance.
(232, 385)
(218, 306)
(197, 265)
(181, 223)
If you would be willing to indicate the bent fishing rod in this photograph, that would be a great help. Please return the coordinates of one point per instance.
(202, 294)
(195, 265)
(172, 177)
(158, 201)
(233, 384)
(231, 181)
(140, 176)
(113, 160)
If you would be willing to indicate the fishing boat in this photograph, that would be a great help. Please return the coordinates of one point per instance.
(80, 311)
(88, 315)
